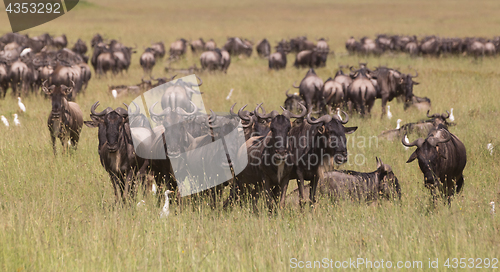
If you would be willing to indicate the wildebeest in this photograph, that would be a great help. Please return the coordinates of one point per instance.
(4, 79)
(333, 95)
(322, 46)
(116, 149)
(277, 60)
(316, 146)
(362, 93)
(147, 60)
(430, 46)
(310, 58)
(103, 60)
(197, 45)
(235, 46)
(60, 42)
(310, 89)
(442, 158)
(263, 48)
(301, 43)
(66, 75)
(66, 119)
(210, 45)
(215, 60)
(292, 102)
(357, 186)
(178, 48)
(21, 76)
(158, 50)
(343, 79)
(80, 47)
(420, 103)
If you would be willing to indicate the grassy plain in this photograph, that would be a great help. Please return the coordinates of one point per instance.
(58, 213)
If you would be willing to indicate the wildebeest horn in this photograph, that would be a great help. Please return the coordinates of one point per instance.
(183, 112)
(288, 95)
(324, 118)
(436, 140)
(210, 122)
(346, 119)
(244, 114)
(264, 115)
(416, 74)
(164, 112)
(418, 142)
(137, 109)
(122, 112)
(428, 114)
(94, 107)
(201, 81)
(295, 86)
(231, 110)
(447, 116)
(289, 115)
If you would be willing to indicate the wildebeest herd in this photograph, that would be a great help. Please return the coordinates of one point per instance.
(306, 140)
(428, 45)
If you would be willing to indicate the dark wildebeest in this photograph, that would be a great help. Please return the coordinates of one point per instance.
(103, 60)
(362, 93)
(147, 60)
(263, 48)
(277, 60)
(97, 39)
(310, 89)
(310, 58)
(236, 47)
(66, 75)
(351, 45)
(269, 162)
(66, 119)
(158, 50)
(357, 186)
(215, 60)
(80, 47)
(343, 79)
(60, 42)
(292, 102)
(442, 159)
(316, 145)
(116, 149)
(225, 61)
(301, 43)
(197, 45)
(178, 48)
(4, 79)
(333, 96)
(430, 46)
(420, 103)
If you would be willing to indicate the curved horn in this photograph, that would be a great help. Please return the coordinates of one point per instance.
(183, 112)
(231, 110)
(289, 114)
(428, 114)
(445, 139)
(295, 85)
(244, 114)
(418, 142)
(211, 120)
(446, 117)
(288, 95)
(94, 107)
(164, 112)
(264, 115)
(137, 109)
(122, 112)
(324, 118)
(346, 119)
(416, 74)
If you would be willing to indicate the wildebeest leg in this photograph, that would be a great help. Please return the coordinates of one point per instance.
(53, 144)
(114, 181)
(460, 183)
(128, 184)
(284, 188)
(312, 192)
(384, 102)
(300, 185)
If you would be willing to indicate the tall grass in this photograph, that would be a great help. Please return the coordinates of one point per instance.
(58, 213)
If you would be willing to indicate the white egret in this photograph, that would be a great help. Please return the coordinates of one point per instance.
(229, 95)
(490, 148)
(407, 141)
(492, 204)
(398, 126)
(4, 120)
(114, 93)
(389, 114)
(165, 211)
(452, 117)
(20, 104)
(16, 120)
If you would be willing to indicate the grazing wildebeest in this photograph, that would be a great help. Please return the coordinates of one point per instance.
(236, 47)
(116, 149)
(277, 60)
(430, 46)
(263, 48)
(225, 61)
(292, 102)
(316, 145)
(362, 93)
(197, 45)
(420, 103)
(357, 186)
(301, 43)
(66, 119)
(147, 60)
(310, 58)
(310, 89)
(103, 60)
(178, 48)
(442, 158)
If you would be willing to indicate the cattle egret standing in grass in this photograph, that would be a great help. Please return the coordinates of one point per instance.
(490, 148)
(389, 114)
(399, 124)
(16, 120)
(492, 204)
(153, 189)
(452, 118)
(407, 141)
(165, 211)
(4, 120)
(114, 93)
(338, 114)
(21, 105)
(229, 95)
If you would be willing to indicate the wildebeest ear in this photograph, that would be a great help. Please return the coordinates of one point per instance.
(415, 83)
(349, 130)
(412, 157)
(91, 124)
(48, 90)
(378, 162)
(66, 90)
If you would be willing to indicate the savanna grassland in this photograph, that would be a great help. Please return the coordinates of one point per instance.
(59, 213)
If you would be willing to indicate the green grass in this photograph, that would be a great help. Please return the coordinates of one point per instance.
(58, 213)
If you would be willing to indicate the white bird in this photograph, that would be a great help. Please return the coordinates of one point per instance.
(21, 105)
(492, 207)
(16, 120)
(389, 114)
(229, 95)
(452, 118)
(141, 203)
(407, 141)
(399, 124)
(490, 148)
(4, 120)
(25, 52)
(114, 93)
(153, 189)
(165, 211)
(338, 114)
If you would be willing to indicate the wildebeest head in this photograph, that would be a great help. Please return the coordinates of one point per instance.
(428, 153)
(58, 95)
(111, 124)
(292, 102)
(408, 84)
(439, 119)
(332, 135)
(388, 183)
